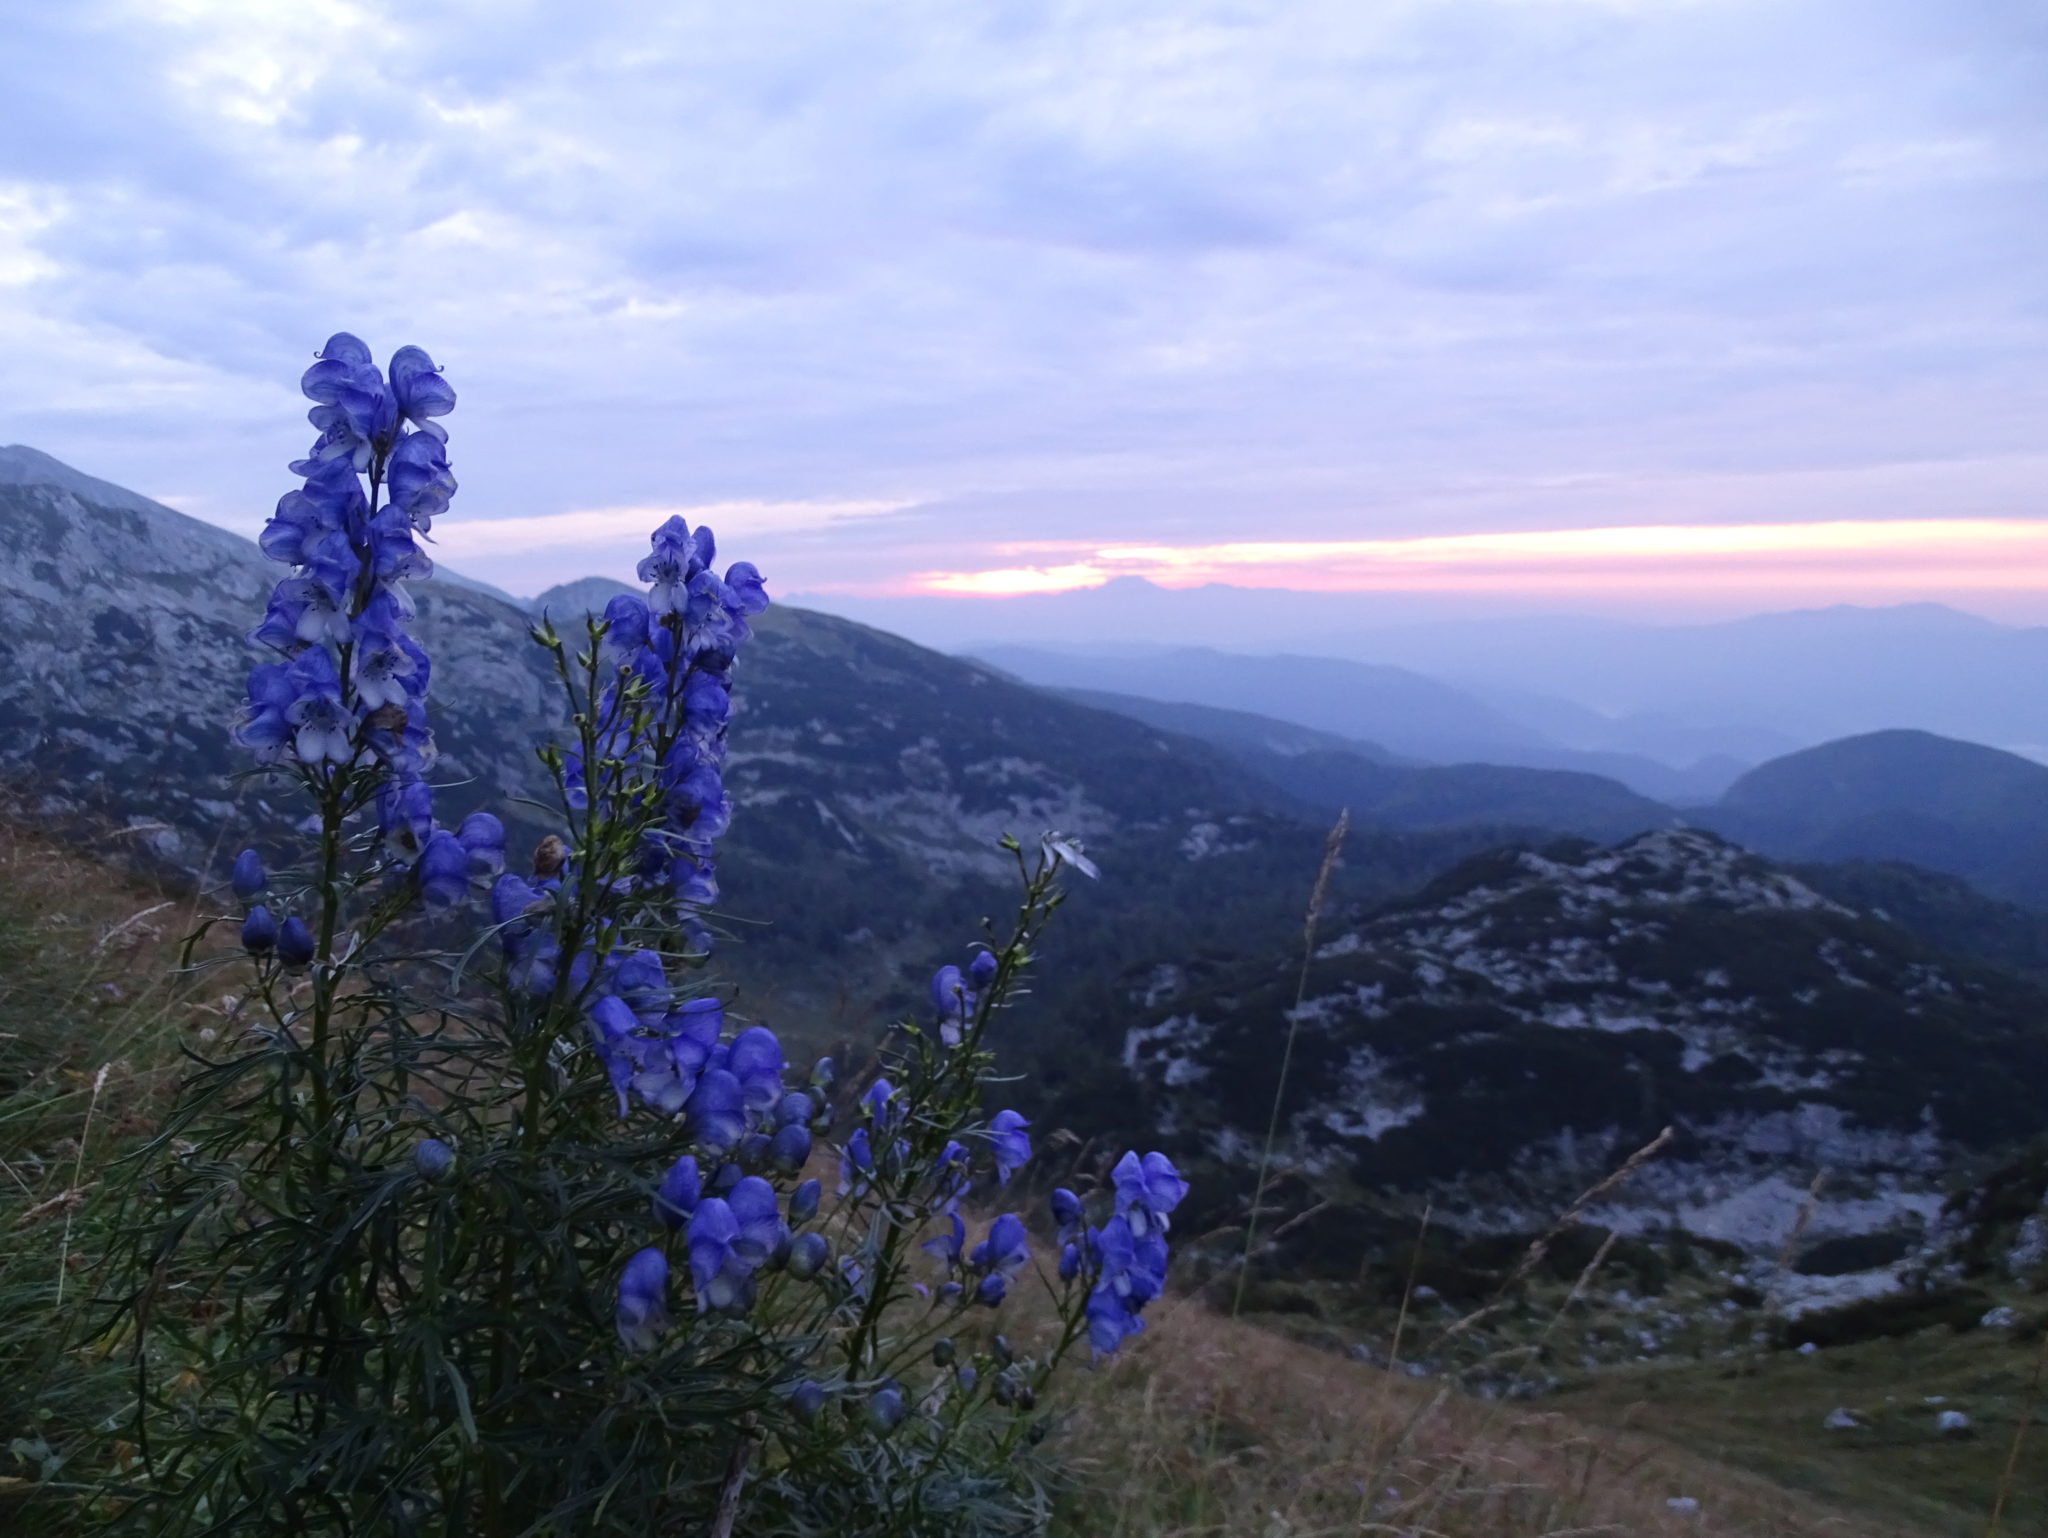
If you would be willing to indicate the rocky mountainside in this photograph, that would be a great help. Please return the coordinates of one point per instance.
(873, 775)
(122, 663)
(1508, 1036)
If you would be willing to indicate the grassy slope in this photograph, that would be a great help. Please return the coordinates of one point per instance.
(1768, 1417)
(88, 1028)
(1206, 1426)
(1217, 1427)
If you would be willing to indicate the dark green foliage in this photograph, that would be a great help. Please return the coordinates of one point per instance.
(1905, 1313)
(1908, 796)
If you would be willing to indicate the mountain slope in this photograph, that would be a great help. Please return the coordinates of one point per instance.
(1389, 707)
(873, 776)
(1504, 1038)
(1910, 796)
(1329, 772)
(1233, 730)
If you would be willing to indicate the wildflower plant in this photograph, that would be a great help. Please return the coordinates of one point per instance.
(498, 1220)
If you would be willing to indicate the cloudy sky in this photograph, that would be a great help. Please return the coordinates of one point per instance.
(1590, 301)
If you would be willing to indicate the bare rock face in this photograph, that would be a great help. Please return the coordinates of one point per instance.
(1510, 1035)
(874, 776)
(122, 659)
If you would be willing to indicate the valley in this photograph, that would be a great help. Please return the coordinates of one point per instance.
(1826, 973)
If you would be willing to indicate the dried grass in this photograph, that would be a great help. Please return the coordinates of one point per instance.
(1316, 1444)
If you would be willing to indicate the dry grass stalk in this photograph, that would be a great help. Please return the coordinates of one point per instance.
(1789, 1250)
(1533, 1256)
(1318, 893)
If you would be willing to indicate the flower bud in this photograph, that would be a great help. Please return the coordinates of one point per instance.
(1003, 1391)
(791, 1147)
(1000, 1348)
(1066, 1207)
(803, 1202)
(982, 970)
(294, 942)
(549, 856)
(1027, 1398)
(991, 1290)
(808, 1254)
(259, 931)
(885, 1407)
(808, 1401)
(966, 1377)
(823, 1073)
(943, 1351)
(248, 878)
(432, 1158)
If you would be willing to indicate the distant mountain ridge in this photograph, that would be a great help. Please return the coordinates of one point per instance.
(1393, 708)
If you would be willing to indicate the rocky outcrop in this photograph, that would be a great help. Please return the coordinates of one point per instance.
(1508, 1037)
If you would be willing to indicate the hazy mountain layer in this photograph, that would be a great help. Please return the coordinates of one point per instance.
(1389, 707)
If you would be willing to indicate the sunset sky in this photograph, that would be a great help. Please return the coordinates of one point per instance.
(1672, 304)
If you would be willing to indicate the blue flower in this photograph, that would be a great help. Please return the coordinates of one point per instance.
(294, 942)
(247, 877)
(322, 726)
(856, 1161)
(1110, 1321)
(1130, 1265)
(625, 625)
(949, 1174)
(1066, 1209)
(1004, 1252)
(990, 1291)
(881, 1105)
(757, 1063)
(981, 971)
(761, 1229)
(677, 1197)
(721, 1273)
(945, 1246)
(417, 382)
(743, 583)
(483, 837)
(1147, 1190)
(432, 1158)
(443, 870)
(953, 1003)
(643, 1300)
(639, 980)
(716, 1110)
(259, 931)
(405, 816)
(669, 566)
(1011, 1146)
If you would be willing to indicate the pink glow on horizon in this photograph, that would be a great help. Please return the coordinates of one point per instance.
(1849, 557)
